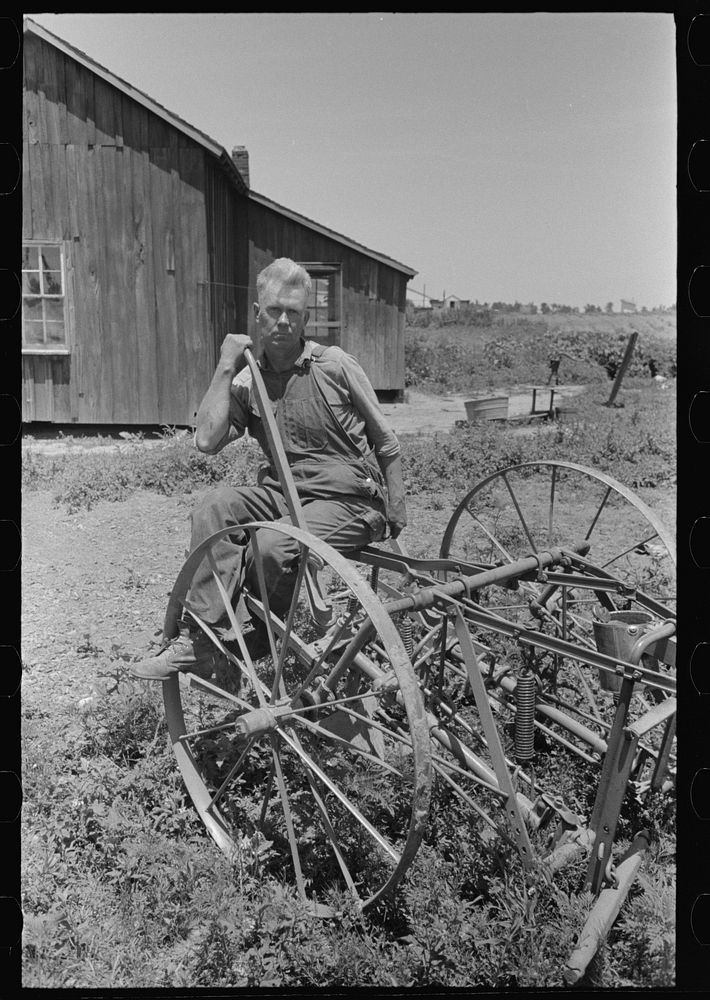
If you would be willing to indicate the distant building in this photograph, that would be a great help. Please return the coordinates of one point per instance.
(628, 307)
(450, 302)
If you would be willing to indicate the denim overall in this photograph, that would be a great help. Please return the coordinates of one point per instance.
(341, 490)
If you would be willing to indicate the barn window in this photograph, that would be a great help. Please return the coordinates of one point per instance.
(43, 295)
(325, 302)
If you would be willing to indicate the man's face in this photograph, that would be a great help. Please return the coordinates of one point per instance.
(281, 318)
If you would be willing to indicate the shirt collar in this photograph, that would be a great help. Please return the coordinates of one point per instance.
(302, 361)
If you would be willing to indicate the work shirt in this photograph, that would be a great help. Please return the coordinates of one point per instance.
(331, 425)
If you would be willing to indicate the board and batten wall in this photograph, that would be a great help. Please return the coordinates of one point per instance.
(126, 195)
(374, 295)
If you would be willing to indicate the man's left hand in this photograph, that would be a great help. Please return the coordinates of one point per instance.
(396, 517)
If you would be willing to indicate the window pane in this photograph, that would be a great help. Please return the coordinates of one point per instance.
(32, 333)
(30, 282)
(324, 302)
(32, 309)
(55, 333)
(30, 258)
(52, 282)
(51, 259)
(54, 310)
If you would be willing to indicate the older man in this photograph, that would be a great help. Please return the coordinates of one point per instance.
(344, 459)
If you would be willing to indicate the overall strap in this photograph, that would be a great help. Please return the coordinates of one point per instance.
(317, 351)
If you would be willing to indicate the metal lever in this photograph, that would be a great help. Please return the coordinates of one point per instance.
(320, 611)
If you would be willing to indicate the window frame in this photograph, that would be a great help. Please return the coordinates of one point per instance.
(44, 350)
(333, 328)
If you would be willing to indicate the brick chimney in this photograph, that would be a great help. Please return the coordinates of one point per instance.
(240, 158)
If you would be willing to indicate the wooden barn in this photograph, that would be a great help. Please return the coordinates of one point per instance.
(142, 240)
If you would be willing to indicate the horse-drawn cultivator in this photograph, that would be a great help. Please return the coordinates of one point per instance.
(524, 678)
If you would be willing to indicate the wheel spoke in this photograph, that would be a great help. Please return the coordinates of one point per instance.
(551, 516)
(267, 611)
(232, 771)
(631, 548)
(267, 796)
(343, 799)
(256, 684)
(520, 513)
(197, 733)
(491, 536)
(330, 735)
(596, 516)
(472, 804)
(244, 666)
(331, 703)
(328, 826)
(288, 817)
(291, 614)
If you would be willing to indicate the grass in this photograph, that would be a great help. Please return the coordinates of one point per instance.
(122, 888)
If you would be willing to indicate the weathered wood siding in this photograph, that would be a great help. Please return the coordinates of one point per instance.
(229, 256)
(374, 295)
(126, 194)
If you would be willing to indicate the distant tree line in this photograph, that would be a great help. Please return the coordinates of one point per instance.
(480, 313)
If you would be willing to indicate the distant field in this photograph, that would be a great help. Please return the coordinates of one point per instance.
(657, 324)
(514, 349)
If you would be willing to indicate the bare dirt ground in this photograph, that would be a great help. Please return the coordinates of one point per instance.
(101, 578)
(426, 414)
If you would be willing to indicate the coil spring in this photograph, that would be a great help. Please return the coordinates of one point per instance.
(524, 715)
(353, 604)
(405, 627)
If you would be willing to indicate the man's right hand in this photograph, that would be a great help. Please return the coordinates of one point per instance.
(232, 351)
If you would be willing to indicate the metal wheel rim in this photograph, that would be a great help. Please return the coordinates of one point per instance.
(400, 664)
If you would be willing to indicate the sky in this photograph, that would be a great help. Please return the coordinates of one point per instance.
(512, 157)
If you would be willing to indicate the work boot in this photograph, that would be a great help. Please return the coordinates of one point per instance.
(191, 652)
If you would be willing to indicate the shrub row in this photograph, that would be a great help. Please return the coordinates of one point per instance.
(522, 355)
(636, 444)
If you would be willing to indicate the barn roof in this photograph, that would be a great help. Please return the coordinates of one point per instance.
(203, 140)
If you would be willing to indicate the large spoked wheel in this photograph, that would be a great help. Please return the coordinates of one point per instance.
(537, 505)
(625, 573)
(313, 758)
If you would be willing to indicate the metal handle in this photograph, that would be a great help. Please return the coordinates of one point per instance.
(320, 610)
(276, 447)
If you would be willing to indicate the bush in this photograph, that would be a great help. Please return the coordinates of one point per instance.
(172, 467)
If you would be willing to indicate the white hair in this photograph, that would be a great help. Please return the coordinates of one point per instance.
(283, 271)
